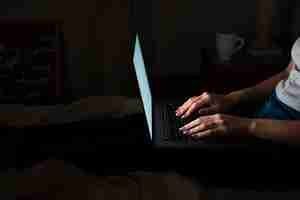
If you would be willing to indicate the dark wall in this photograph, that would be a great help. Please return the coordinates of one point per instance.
(96, 34)
(79, 32)
(295, 18)
(189, 26)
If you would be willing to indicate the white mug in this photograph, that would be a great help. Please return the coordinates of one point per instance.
(227, 45)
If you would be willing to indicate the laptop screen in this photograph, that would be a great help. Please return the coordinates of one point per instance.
(143, 83)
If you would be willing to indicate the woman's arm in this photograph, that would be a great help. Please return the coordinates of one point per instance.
(281, 130)
(260, 91)
(287, 131)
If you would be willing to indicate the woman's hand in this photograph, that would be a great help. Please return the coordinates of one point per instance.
(206, 104)
(217, 124)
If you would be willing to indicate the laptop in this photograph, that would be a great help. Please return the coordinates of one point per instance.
(162, 123)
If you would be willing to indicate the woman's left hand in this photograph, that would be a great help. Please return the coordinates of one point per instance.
(217, 124)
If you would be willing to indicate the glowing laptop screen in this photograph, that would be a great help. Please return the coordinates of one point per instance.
(143, 82)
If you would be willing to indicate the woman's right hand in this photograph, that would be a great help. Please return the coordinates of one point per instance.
(206, 104)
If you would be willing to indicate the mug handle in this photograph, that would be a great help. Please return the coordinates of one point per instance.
(241, 42)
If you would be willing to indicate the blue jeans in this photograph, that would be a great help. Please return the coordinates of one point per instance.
(273, 108)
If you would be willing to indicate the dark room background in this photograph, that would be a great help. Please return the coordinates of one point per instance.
(97, 33)
(191, 25)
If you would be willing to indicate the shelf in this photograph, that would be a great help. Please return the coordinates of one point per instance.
(33, 62)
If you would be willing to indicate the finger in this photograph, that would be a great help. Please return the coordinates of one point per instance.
(186, 102)
(203, 123)
(182, 109)
(202, 127)
(208, 111)
(201, 102)
(190, 125)
(197, 121)
(206, 133)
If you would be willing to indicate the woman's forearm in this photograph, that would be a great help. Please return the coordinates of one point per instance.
(280, 130)
(260, 91)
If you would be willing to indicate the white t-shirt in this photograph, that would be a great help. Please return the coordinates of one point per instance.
(288, 91)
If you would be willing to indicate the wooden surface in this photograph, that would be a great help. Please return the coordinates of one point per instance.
(55, 179)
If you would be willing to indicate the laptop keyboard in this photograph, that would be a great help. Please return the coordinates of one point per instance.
(173, 125)
(171, 128)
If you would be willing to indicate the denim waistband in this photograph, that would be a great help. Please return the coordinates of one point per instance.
(290, 111)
